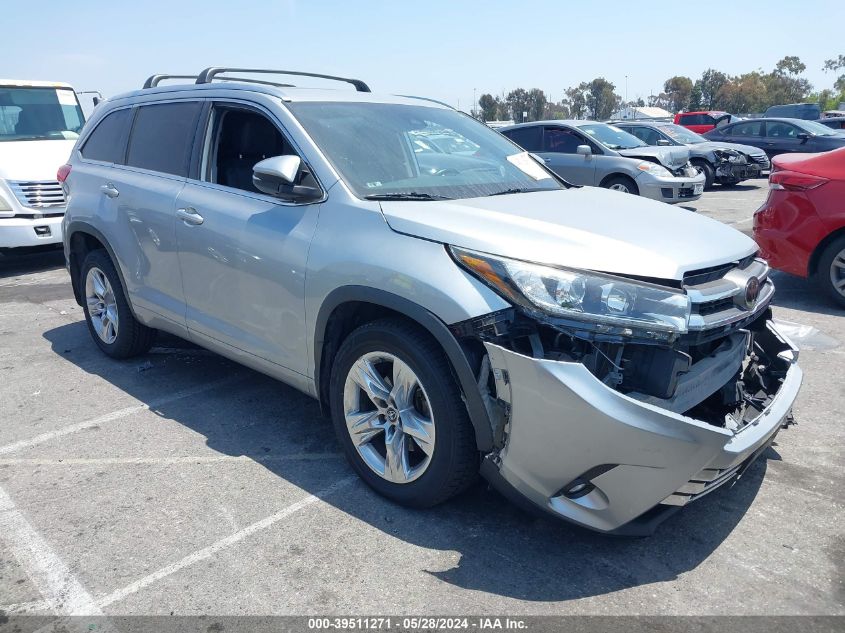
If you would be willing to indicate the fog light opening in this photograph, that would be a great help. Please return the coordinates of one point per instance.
(577, 489)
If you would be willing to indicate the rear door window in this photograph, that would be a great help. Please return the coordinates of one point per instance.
(162, 136)
(528, 138)
(692, 119)
(108, 140)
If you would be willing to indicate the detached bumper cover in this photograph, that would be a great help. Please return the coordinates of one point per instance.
(564, 423)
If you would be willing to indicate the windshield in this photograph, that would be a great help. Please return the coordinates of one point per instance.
(418, 152)
(817, 128)
(611, 136)
(28, 114)
(681, 134)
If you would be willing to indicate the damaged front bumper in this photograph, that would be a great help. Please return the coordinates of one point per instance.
(611, 462)
(734, 172)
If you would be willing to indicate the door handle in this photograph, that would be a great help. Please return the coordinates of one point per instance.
(109, 190)
(189, 215)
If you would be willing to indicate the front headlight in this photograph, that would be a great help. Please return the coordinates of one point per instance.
(598, 302)
(654, 169)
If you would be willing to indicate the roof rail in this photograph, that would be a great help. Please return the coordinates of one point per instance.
(155, 80)
(443, 103)
(208, 75)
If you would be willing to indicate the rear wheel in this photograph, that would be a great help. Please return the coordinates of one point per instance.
(703, 167)
(621, 183)
(110, 320)
(399, 416)
(831, 271)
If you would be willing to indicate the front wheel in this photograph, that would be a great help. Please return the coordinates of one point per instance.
(831, 270)
(703, 167)
(621, 183)
(398, 413)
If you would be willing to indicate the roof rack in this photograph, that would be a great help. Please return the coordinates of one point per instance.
(208, 75)
(155, 80)
(443, 103)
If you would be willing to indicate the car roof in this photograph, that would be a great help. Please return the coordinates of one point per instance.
(704, 112)
(27, 83)
(291, 94)
(569, 122)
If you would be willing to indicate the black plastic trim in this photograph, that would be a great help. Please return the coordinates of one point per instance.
(351, 294)
(78, 226)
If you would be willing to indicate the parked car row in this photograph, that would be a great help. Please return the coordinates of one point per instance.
(601, 155)
(720, 162)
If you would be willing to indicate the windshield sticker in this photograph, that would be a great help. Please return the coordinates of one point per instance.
(528, 166)
(66, 97)
(371, 185)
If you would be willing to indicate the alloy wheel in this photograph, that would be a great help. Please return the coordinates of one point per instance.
(102, 305)
(837, 272)
(619, 187)
(388, 417)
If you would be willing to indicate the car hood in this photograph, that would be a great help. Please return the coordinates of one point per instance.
(587, 227)
(709, 146)
(673, 156)
(33, 160)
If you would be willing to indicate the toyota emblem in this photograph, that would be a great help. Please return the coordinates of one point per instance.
(752, 291)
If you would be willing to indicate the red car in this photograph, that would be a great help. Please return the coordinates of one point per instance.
(801, 226)
(703, 121)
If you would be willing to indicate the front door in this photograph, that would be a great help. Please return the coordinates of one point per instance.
(242, 253)
(560, 155)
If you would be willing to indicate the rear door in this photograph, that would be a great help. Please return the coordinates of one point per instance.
(242, 253)
(144, 190)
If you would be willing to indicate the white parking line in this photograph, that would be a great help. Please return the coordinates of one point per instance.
(61, 590)
(155, 461)
(116, 415)
(209, 551)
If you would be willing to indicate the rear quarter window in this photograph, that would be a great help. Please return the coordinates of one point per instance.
(162, 136)
(108, 140)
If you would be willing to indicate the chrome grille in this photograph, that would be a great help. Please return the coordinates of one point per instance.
(38, 194)
(721, 301)
(761, 159)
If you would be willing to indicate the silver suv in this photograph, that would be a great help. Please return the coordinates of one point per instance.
(601, 356)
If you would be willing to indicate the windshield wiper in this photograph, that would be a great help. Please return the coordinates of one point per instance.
(517, 190)
(406, 195)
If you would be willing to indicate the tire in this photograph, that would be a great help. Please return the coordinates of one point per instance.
(830, 273)
(112, 326)
(621, 183)
(703, 167)
(425, 477)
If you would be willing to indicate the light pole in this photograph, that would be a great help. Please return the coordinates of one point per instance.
(474, 102)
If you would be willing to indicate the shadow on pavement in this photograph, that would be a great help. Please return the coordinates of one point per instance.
(503, 550)
(796, 293)
(19, 263)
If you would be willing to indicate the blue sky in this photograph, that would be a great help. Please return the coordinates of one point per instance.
(433, 48)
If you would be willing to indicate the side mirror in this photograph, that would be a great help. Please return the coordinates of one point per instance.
(584, 150)
(803, 136)
(276, 176)
(662, 142)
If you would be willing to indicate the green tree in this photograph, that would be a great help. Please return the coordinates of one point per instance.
(576, 100)
(536, 104)
(834, 65)
(744, 94)
(709, 85)
(489, 107)
(695, 97)
(602, 99)
(679, 91)
(790, 65)
(518, 104)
